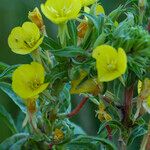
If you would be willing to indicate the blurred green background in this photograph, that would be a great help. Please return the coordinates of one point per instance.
(14, 13)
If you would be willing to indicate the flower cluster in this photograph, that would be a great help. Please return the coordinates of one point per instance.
(94, 57)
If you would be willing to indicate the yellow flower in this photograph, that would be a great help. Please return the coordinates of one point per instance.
(87, 2)
(28, 80)
(144, 91)
(99, 9)
(110, 64)
(116, 24)
(36, 17)
(102, 114)
(58, 135)
(23, 40)
(60, 11)
(88, 86)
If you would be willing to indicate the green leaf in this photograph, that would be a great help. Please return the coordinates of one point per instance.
(77, 129)
(89, 142)
(3, 66)
(65, 99)
(7, 119)
(113, 123)
(49, 43)
(58, 72)
(18, 145)
(70, 51)
(113, 111)
(72, 30)
(137, 132)
(8, 71)
(14, 142)
(16, 99)
(94, 20)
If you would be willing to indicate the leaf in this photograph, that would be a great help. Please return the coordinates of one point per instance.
(113, 111)
(137, 132)
(72, 29)
(49, 43)
(3, 66)
(65, 99)
(58, 72)
(113, 123)
(16, 99)
(89, 142)
(70, 51)
(94, 20)
(15, 140)
(18, 145)
(7, 119)
(8, 71)
(77, 129)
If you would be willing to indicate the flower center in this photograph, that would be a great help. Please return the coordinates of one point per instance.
(111, 66)
(63, 12)
(29, 43)
(34, 84)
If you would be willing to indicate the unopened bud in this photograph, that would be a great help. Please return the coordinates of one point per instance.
(36, 17)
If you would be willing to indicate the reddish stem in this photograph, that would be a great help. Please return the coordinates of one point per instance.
(50, 146)
(128, 97)
(78, 108)
(109, 132)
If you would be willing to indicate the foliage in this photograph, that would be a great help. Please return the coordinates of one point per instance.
(95, 46)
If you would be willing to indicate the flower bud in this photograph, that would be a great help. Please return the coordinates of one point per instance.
(58, 135)
(144, 89)
(31, 105)
(36, 17)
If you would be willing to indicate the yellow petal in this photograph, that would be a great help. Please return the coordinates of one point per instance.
(122, 61)
(61, 11)
(100, 10)
(87, 2)
(23, 40)
(110, 64)
(28, 80)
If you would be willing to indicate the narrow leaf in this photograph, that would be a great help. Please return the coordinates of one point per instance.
(7, 119)
(16, 99)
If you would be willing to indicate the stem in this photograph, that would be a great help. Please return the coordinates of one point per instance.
(63, 33)
(128, 94)
(32, 125)
(145, 139)
(109, 132)
(139, 104)
(78, 108)
(36, 56)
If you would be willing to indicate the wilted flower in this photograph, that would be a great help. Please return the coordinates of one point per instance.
(58, 135)
(36, 17)
(28, 81)
(23, 40)
(110, 64)
(82, 28)
(80, 85)
(102, 114)
(61, 11)
(144, 93)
